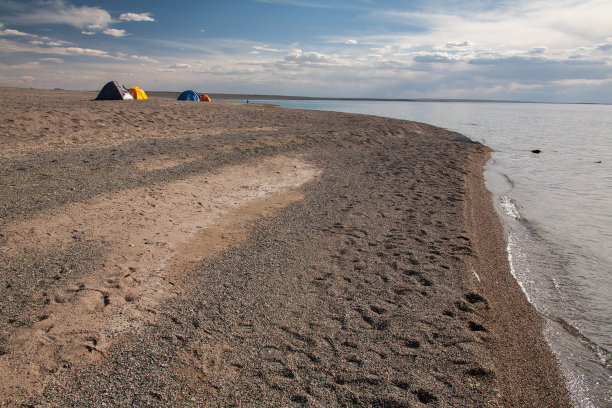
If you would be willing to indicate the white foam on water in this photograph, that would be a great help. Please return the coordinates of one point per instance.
(579, 389)
(510, 207)
(509, 250)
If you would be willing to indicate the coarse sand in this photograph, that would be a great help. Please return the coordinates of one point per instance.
(171, 253)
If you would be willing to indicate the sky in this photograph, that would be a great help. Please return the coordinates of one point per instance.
(533, 50)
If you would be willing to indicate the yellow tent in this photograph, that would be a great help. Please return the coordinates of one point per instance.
(138, 93)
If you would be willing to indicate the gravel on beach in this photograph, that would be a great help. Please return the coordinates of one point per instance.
(169, 253)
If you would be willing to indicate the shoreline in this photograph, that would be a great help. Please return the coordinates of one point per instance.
(299, 283)
(516, 346)
(259, 97)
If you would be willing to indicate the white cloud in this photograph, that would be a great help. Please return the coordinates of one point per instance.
(267, 48)
(350, 42)
(596, 82)
(518, 25)
(436, 57)
(84, 51)
(88, 32)
(136, 17)
(59, 12)
(16, 33)
(49, 59)
(57, 43)
(300, 56)
(14, 47)
(458, 44)
(144, 58)
(115, 32)
(179, 66)
(606, 46)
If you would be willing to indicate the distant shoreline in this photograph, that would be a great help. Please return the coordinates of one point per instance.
(257, 97)
(260, 97)
(309, 98)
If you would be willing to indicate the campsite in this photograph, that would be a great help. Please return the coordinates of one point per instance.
(114, 90)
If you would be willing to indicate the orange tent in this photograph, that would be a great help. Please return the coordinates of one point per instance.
(205, 98)
(138, 93)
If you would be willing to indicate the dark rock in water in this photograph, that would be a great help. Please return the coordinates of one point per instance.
(536, 151)
(463, 139)
(598, 162)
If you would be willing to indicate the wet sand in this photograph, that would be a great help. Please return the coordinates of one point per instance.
(169, 253)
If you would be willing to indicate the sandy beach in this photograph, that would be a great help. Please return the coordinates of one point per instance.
(169, 253)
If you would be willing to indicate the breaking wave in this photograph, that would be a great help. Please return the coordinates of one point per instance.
(510, 207)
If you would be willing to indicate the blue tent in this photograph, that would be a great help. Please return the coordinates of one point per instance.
(188, 96)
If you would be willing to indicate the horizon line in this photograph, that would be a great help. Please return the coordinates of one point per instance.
(254, 96)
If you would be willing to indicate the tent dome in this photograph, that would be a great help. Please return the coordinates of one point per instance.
(138, 93)
(205, 98)
(188, 96)
(113, 90)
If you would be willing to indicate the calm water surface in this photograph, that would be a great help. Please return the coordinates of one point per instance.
(557, 211)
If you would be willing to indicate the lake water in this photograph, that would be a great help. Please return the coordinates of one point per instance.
(556, 207)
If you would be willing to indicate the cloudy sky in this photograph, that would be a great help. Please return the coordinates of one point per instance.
(535, 50)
